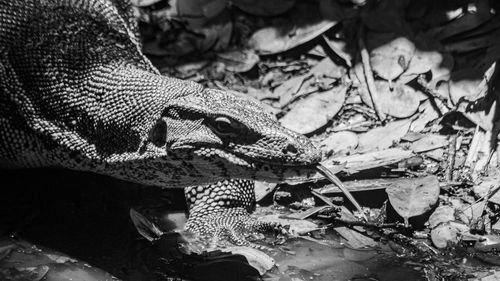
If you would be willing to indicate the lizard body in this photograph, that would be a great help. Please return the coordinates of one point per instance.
(77, 92)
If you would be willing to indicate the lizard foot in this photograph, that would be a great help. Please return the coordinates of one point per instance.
(219, 214)
(232, 226)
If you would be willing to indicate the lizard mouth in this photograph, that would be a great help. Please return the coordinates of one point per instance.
(213, 153)
(251, 168)
(239, 159)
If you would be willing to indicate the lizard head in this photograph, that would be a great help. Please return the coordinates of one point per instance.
(233, 134)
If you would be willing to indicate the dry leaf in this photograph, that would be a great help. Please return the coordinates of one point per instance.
(489, 243)
(339, 142)
(448, 233)
(429, 142)
(290, 88)
(390, 54)
(480, 155)
(302, 26)
(273, 40)
(475, 211)
(373, 159)
(327, 68)
(340, 48)
(427, 113)
(436, 154)
(412, 136)
(324, 72)
(430, 55)
(494, 276)
(355, 239)
(383, 137)
(353, 236)
(415, 198)
(482, 113)
(314, 111)
(401, 101)
(441, 86)
(191, 68)
(442, 214)
(262, 189)
(489, 184)
(459, 206)
(239, 61)
(464, 85)
(484, 118)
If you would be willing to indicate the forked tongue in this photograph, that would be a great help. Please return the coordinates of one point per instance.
(333, 178)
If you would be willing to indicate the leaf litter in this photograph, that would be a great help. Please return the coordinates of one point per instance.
(400, 96)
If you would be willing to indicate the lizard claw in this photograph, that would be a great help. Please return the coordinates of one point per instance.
(219, 214)
(232, 226)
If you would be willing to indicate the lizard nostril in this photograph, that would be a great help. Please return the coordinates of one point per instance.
(290, 149)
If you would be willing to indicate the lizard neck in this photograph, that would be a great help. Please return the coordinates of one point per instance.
(118, 126)
(125, 106)
(102, 115)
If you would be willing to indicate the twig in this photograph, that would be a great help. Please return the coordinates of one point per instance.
(430, 248)
(474, 147)
(367, 111)
(369, 224)
(352, 127)
(430, 92)
(485, 197)
(452, 152)
(490, 155)
(370, 83)
(419, 247)
(333, 178)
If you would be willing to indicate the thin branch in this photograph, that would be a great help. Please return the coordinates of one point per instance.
(370, 83)
(452, 151)
(369, 224)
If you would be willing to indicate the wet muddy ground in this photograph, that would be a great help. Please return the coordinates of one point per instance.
(87, 217)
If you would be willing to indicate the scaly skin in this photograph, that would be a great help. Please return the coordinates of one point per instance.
(220, 213)
(77, 92)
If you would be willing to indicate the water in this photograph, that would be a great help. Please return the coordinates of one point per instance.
(87, 217)
(306, 260)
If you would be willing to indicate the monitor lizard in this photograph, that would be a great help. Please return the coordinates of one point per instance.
(77, 92)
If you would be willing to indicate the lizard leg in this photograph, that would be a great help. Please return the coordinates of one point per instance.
(220, 213)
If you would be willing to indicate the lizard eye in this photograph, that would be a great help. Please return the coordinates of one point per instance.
(226, 127)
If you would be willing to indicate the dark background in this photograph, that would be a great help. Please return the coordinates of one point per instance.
(81, 214)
